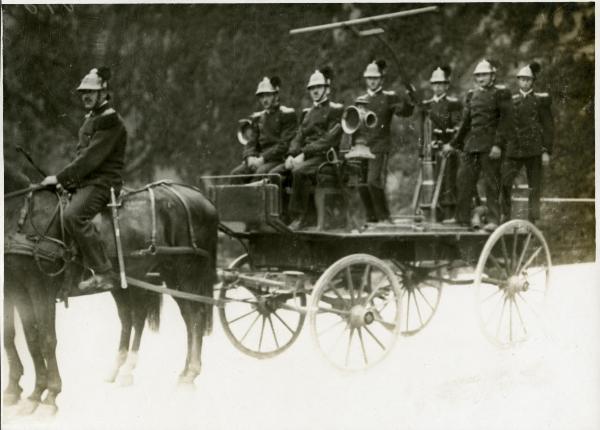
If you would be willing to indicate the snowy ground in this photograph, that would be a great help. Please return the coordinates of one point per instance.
(447, 377)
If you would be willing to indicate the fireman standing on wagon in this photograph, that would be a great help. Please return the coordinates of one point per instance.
(267, 134)
(97, 167)
(482, 136)
(534, 130)
(319, 131)
(445, 114)
(385, 104)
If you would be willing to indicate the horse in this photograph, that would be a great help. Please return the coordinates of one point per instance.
(166, 228)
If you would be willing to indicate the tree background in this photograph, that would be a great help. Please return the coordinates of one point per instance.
(184, 74)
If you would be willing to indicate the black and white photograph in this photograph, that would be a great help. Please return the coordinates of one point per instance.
(291, 216)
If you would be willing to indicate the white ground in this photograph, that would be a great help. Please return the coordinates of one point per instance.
(447, 377)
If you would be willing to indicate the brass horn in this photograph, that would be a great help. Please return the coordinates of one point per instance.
(245, 131)
(355, 117)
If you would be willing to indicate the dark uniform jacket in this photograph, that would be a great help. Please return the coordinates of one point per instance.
(319, 130)
(445, 114)
(274, 129)
(534, 126)
(486, 120)
(100, 152)
(385, 104)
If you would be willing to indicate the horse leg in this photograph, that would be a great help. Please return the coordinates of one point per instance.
(12, 392)
(45, 308)
(31, 327)
(124, 311)
(196, 332)
(138, 312)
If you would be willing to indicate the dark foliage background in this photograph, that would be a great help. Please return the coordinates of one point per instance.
(184, 75)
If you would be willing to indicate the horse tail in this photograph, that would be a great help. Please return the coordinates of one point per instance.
(153, 307)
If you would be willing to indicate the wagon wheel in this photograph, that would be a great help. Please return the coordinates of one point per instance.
(256, 323)
(421, 292)
(355, 312)
(512, 280)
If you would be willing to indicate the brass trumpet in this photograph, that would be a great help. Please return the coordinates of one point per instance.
(245, 131)
(355, 117)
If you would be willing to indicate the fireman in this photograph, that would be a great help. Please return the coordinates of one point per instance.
(534, 130)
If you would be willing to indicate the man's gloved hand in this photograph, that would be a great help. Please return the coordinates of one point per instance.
(289, 162)
(545, 159)
(251, 162)
(299, 159)
(48, 181)
(495, 152)
(447, 149)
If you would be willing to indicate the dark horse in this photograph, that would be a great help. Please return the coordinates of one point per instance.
(160, 226)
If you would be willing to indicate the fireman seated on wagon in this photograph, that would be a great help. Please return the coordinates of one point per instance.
(267, 133)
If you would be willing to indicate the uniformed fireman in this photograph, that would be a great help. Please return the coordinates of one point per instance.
(482, 136)
(445, 114)
(98, 166)
(385, 104)
(268, 132)
(319, 131)
(532, 146)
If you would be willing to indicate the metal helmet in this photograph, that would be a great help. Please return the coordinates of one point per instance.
(484, 66)
(317, 78)
(439, 76)
(92, 82)
(265, 86)
(372, 71)
(529, 71)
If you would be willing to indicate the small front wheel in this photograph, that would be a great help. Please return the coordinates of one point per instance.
(355, 312)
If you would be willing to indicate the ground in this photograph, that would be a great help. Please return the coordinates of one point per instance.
(447, 377)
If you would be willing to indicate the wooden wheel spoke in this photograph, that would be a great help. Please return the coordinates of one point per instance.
(337, 340)
(520, 316)
(283, 322)
(262, 332)
(497, 264)
(531, 258)
(381, 345)
(499, 325)
(493, 312)
(331, 327)
(505, 255)
(383, 305)
(513, 260)
(273, 331)
(387, 325)
(408, 308)
(531, 308)
(491, 295)
(350, 335)
(362, 346)
(350, 284)
(523, 252)
(418, 310)
(425, 298)
(337, 293)
(249, 328)
(366, 281)
(510, 329)
(241, 316)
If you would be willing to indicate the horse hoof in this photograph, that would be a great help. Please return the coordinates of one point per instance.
(28, 406)
(186, 381)
(11, 399)
(46, 411)
(125, 380)
(111, 377)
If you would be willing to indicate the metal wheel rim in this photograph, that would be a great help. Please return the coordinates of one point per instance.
(392, 325)
(268, 327)
(518, 330)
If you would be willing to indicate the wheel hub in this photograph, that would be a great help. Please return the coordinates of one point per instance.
(360, 316)
(516, 284)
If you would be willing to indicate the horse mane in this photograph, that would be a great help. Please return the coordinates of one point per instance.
(14, 179)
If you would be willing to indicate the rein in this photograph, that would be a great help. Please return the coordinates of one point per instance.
(24, 191)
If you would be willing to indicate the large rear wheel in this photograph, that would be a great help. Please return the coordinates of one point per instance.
(512, 280)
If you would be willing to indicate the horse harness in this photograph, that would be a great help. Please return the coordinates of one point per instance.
(40, 246)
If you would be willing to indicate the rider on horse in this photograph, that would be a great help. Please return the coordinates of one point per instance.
(97, 167)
